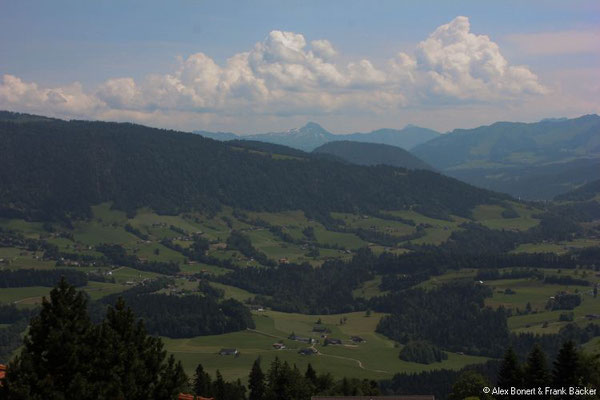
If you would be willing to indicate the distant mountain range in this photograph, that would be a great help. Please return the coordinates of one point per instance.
(313, 135)
(372, 154)
(529, 160)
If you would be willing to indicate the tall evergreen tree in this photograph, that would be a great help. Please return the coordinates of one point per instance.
(66, 357)
(256, 382)
(536, 373)
(52, 364)
(311, 374)
(219, 387)
(567, 368)
(510, 373)
(202, 382)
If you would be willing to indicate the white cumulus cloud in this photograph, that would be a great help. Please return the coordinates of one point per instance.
(284, 74)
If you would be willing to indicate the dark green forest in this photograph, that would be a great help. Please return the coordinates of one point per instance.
(52, 169)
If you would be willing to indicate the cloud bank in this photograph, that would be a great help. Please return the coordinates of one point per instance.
(286, 75)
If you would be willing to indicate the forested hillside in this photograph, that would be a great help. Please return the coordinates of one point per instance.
(582, 193)
(49, 169)
(372, 154)
(532, 160)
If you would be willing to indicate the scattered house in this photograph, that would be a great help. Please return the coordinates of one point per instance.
(278, 346)
(283, 261)
(228, 352)
(257, 307)
(297, 338)
(357, 339)
(332, 341)
(321, 329)
(307, 351)
(592, 316)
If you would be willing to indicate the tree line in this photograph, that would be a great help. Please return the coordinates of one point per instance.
(281, 381)
(66, 356)
(178, 316)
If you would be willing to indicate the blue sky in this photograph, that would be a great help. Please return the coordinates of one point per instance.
(377, 63)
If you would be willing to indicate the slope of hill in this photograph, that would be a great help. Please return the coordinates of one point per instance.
(535, 160)
(406, 138)
(582, 193)
(372, 154)
(222, 136)
(313, 135)
(53, 168)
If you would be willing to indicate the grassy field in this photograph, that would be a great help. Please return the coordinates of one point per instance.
(32, 296)
(437, 230)
(556, 247)
(377, 358)
(491, 216)
(14, 258)
(388, 226)
(369, 289)
(339, 239)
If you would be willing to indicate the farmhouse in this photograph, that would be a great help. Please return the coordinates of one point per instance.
(357, 339)
(302, 339)
(279, 346)
(308, 351)
(332, 341)
(228, 352)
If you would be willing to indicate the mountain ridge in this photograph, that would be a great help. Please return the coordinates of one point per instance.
(372, 154)
(536, 160)
(312, 135)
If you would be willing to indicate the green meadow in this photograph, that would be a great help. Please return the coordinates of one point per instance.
(377, 358)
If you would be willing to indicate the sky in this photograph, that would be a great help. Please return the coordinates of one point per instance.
(262, 66)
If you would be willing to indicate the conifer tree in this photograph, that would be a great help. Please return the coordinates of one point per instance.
(536, 373)
(66, 357)
(52, 363)
(202, 382)
(510, 373)
(567, 368)
(256, 382)
(311, 374)
(219, 387)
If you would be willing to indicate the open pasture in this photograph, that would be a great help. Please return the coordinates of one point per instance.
(377, 358)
